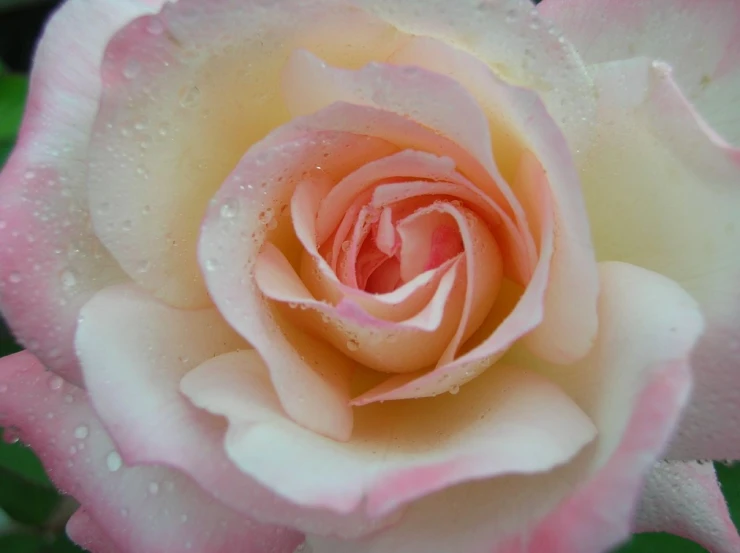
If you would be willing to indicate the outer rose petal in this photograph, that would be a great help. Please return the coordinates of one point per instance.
(140, 509)
(512, 39)
(684, 498)
(634, 385)
(186, 94)
(133, 364)
(50, 261)
(513, 421)
(85, 532)
(663, 192)
(700, 40)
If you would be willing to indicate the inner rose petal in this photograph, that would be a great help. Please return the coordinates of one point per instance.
(406, 346)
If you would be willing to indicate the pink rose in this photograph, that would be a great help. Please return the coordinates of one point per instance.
(378, 276)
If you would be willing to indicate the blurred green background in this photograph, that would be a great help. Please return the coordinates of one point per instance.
(32, 513)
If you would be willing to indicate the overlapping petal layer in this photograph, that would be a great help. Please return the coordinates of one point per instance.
(137, 509)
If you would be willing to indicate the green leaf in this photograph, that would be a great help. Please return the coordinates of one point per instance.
(729, 479)
(659, 543)
(22, 543)
(13, 91)
(19, 459)
(24, 500)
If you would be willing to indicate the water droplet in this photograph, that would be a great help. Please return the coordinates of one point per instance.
(153, 488)
(154, 26)
(56, 382)
(211, 265)
(229, 208)
(68, 279)
(353, 344)
(143, 266)
(131, 69)
(184, 519)
(15, 278)
(454, 390)
(345, 245)
(81, 432)
(11, 435)
(3, 388)
(126, 225)
(190, 97)
(114, 461)
(124, 512)
(69, 398)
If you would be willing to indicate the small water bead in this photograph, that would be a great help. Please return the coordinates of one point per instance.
(153, 488)
(55, 382)
(190, 98)
(154, 26)
(345, 245)
(114, 461)
(82, 432)
(353, 344)
(131, 69)
(15, 278)
(3, 388)
(68, 279)
(11, 435)
(454, 390)
(229, 209)
(211, 265)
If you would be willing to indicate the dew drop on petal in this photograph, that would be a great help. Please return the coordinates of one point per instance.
(114, 461)
(55, 382)
(353, 344)
(454, 390)
(229, 209)
(81, 432)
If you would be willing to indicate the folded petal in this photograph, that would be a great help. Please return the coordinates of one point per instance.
(185, 95)
(512, 421)
(509, 319)
(521, 127)
(684, 498)
(512, 39)
(86, 533)
(437, 103)
(699, 40)
(50, 260)
(139, 509)
(133, 363)
(633, 385)
(669, 202)
(243, 215)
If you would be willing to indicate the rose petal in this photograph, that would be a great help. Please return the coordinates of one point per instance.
(506, 325)
(699, 40)
(512, 421)
(50, 261)
(514, 42)
(431, 100)
(670, 202)
(85, 532)
(633, 385)
(133, 365)
(233, 233)
(175, 516)
(181, 106)
(519, 122)
(407, 345)
(684, 498)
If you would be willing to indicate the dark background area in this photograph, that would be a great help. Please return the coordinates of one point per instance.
(26, 495)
